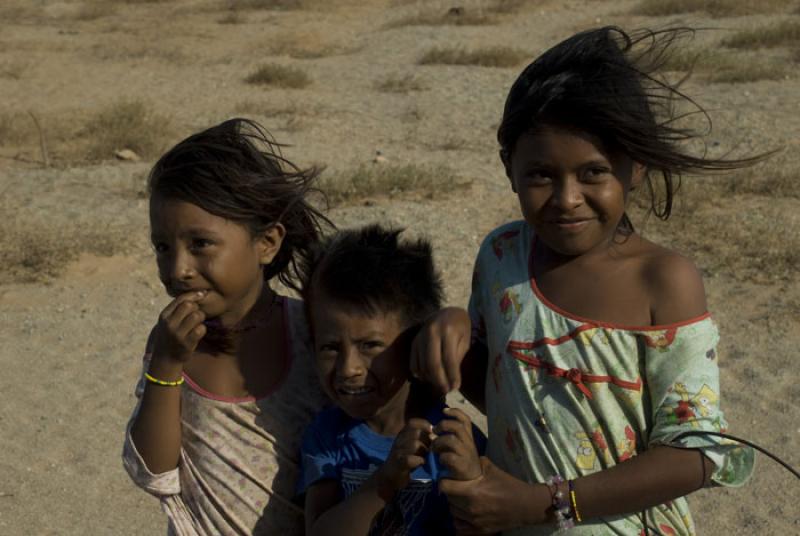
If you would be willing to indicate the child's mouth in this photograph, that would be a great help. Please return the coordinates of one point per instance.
(354, 391)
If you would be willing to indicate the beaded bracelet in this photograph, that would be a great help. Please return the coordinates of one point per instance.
(573, 499)
(561, 505)
(153, 379)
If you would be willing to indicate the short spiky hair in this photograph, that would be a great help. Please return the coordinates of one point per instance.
(373, 270)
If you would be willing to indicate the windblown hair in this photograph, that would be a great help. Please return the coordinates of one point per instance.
(605, 82)
(372, 270)
(235, 170)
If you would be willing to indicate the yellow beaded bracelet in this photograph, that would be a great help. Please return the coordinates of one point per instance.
(156, 381)
(574, 501)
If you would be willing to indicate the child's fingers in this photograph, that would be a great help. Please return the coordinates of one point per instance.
(174, 304)
(426, 360)
(461, 427)
(449, 443)
(413, 461)
(194, 336)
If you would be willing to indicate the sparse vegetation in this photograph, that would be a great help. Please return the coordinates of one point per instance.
(715, 8)
(233, 16)
(499, 56)
(12, 70)
(781, 34)
(128, 124)
(35, 252)
(386, 180)
(454, 16)
(721, 66)
(400, 84)
(267, 4)
(94, 10)
(304, 45)
(505, 6)
(277, 75)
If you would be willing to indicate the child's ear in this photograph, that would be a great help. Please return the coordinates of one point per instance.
(505, 157)
(269, 242)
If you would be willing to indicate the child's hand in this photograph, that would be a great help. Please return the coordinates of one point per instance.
(439, 348)
(456, 447)
(180, 328)
(495, 501)
(408, 452)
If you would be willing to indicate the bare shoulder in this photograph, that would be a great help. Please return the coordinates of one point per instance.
(674, 284)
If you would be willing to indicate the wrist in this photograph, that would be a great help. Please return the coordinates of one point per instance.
(165, 368)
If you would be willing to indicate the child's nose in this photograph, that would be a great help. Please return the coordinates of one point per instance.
(349, 364)
(567, 193)
(180, 266)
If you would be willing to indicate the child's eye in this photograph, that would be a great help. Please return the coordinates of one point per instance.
(160, 247)
(538, 178)
(328, 349)
(372, 345)
(201, 243)
(594, 174)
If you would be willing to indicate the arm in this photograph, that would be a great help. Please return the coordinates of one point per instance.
(156, 428)
(328, 515)
(498, 501)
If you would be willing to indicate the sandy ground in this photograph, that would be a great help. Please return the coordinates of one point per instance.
(72, 341)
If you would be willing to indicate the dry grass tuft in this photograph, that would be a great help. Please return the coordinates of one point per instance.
(305, 45)
(385, 180)
(715, 8)
(94, 10)
(267, 4)
(34, 252)
(781, 34)
(400, 84)
(505, 6)
(453, 17)
(276, 75)
(233, 16)
(127, 124)
(13, 70)
(724, 67)
(499, 56)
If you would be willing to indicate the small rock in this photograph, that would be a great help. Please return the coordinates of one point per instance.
(127, 154)
(379, 158)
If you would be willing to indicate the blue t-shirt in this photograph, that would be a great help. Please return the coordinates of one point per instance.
(340, 448)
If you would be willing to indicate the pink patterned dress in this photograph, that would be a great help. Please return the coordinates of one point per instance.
(572, 396)
(239, 458)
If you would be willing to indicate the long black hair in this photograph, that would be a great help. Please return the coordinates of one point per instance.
(235, 170)
(606, 82)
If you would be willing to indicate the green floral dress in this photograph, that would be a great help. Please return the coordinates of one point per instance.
(572, 396)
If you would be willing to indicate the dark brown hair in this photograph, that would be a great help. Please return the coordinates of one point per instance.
(605, 82)
(235, 170)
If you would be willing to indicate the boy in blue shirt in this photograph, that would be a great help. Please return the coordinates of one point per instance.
(370, 464)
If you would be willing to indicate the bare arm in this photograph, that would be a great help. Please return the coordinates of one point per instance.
(473, 375)
(156, 430)
(498, 501)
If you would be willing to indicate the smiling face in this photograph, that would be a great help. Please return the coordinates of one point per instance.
(362, 361)
(198, 251)
(570, 188)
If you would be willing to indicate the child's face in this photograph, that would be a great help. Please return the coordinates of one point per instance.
(361, 359)
(198, 251)
(570, 189)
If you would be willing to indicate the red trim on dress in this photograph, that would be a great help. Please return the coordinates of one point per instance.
(578, 377)
(287, 354)
(596, 323)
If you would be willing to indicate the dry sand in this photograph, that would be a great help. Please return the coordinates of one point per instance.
(72, 341)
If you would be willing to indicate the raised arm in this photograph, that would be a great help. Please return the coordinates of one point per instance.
(328, 515)
(156, 429)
